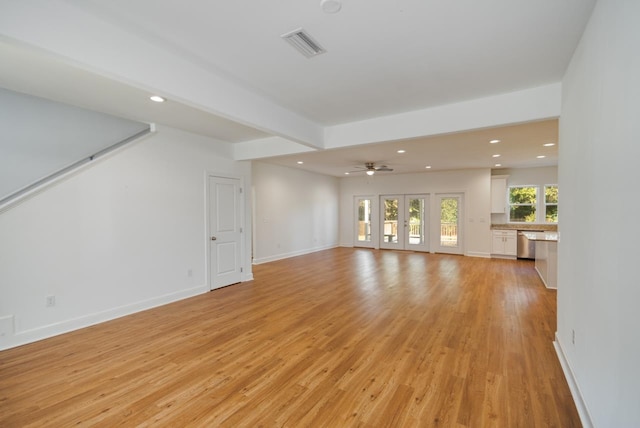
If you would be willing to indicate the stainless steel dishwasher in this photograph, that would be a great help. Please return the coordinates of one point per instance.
(526, 247)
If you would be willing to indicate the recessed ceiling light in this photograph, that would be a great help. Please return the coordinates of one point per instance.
(498, 164)
(428, 167)
(549, 144)
(541, 157)
(495, 156)
(331, 6)
(346, 173)
(494, 141)
(157, 99)
(402, 151)
(300, 162)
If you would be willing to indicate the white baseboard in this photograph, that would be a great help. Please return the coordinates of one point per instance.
(478, 254)
(283, 256)
(44, 332)
(581, 406)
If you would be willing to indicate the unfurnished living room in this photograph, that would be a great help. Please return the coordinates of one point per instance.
(322, 213)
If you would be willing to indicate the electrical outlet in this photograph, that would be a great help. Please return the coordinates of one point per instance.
(51, 301)
(573, 337)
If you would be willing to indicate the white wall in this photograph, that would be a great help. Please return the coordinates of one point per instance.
(40, 137)
(117, 236)
(295, 212)
(523, 177)
(475, 184)
(599, 289)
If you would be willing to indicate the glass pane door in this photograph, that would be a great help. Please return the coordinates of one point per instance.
(404, 222)
(390, 227)
(392, 215)
(450, 225)
(417, 224)
(363, 222)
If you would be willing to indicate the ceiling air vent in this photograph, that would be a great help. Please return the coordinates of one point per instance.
(303, 42)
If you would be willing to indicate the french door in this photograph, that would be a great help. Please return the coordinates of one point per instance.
(404, 224)
(450, 224)
(365, 233)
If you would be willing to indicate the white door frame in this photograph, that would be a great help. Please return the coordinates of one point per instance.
(208, 232)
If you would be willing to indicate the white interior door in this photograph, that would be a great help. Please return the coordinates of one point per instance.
(404, 222)
(450, 216)
(224, 232)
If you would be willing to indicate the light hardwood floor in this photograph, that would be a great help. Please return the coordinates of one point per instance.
(344, 337)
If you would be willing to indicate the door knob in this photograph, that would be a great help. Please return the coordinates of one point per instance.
(213, 238)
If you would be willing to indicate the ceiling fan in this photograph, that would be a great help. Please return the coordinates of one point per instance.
(370, 168)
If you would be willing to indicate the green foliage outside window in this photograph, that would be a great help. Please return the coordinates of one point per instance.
(391, 209)
(522, 204)
(449, 210)
(551, 203)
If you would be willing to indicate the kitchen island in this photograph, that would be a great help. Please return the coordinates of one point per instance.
(546, 256)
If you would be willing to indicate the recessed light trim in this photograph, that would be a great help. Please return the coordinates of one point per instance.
(498, 164)
(495, 156)
(157, 99)
(541, 157)
(549, 144)
(346, 173)
(402, 151)
(428, 167)
(299, 162)
(331, 6)
(494, 141)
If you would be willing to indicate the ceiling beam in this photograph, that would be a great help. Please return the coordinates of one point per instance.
(95, 45)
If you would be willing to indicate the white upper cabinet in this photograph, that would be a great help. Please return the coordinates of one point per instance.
(499, 194)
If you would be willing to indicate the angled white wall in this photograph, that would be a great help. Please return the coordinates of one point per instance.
(123, 234)
(40, 137)
(295, 212)
(598, 285)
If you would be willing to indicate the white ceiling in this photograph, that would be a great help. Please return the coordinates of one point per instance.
(519, 147)
(383, 57)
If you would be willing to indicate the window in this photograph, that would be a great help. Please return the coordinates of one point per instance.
(526, 207)
(522, 204)
(551, 203)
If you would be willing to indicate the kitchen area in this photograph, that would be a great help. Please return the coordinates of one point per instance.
(524, 221)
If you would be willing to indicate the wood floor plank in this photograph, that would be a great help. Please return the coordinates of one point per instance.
(343, 337)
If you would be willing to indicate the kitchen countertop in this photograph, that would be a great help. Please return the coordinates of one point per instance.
(521, 226)
(541, 236)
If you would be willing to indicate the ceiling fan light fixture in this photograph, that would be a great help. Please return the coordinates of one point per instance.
(370, 172)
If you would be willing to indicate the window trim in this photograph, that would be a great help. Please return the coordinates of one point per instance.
(545, 204)
(536, 205)
(540, 205)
